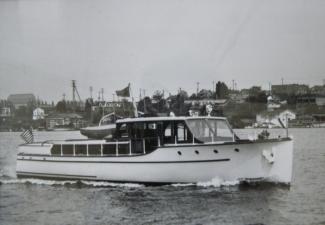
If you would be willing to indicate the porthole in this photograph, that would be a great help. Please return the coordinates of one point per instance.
(236, 150)
(197, 152)
(215, 151)
(179, 153)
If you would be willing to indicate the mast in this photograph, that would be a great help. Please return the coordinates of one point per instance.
(133, 102)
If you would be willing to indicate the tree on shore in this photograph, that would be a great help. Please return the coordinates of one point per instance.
(61, 106)
(222, 91)
(177, 104)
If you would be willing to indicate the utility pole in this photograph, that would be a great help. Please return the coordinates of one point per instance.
(102, 92)
(91, 92)
(233, 85)
(270, 88)
(197, 88)
(144, 101)
(73, 91)
(114, 103)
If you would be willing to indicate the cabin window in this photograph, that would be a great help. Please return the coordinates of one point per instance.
(123, 131)
(168, 131)
(94, 149)
(137, 130)
(152, 126)
(67, 149)
(200, 130)
(210, 130)
(123, 149)
(150, 130)
(109, 149)
(81, 149)
(224, 133)
(182, 132)
(176, 132)
(56, 150)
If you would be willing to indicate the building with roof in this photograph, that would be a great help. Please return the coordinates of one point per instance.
(274, 119)
(38, 114)
(319, 100)
(290, 89)
(19, 100)
(5, 112)
(64, 120)
(202, 102)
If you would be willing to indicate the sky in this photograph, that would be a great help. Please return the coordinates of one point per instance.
(157, 45)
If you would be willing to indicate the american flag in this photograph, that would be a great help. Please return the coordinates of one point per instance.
(27, 136)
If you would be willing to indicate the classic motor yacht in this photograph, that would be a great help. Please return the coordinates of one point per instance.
(161, 150)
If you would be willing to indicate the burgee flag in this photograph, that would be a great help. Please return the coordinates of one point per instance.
(125, 92)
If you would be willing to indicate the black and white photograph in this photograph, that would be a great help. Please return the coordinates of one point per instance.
(162, 112)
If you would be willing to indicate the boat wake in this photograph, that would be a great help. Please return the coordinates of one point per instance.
(216, 182)
(70, 183)
(83, 183)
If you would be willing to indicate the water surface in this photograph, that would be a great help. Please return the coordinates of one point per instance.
(34, 201)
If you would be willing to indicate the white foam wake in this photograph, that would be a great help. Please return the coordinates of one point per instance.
(110, 184)
(35, 181)
(215, 182)
(68, 182)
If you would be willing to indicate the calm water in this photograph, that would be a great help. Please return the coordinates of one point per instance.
(32, 201)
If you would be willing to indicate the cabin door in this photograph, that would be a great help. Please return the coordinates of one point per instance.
(137, 146)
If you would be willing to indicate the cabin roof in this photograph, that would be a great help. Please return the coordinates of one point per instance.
(170, 118)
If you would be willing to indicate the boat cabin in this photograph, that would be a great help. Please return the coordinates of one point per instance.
(146, 134)
(136, 136)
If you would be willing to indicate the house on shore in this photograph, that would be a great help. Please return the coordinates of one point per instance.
(38, 114)
(198, 104)
(275, 119)
(64, 120)
(5, 112)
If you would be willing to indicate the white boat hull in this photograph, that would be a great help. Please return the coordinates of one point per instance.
(271, 161)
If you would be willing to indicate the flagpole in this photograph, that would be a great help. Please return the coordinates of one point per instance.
(114, 104)
(134, 105)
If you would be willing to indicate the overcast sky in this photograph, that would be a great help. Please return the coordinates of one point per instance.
(157, 44)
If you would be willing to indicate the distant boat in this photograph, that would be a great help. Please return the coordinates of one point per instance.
(106, 127)
(162, 150)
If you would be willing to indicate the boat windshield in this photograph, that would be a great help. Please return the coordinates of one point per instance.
(210, 130)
